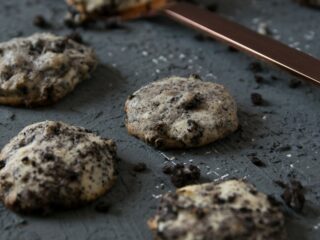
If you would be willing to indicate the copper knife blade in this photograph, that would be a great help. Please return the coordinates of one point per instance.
(246, 40)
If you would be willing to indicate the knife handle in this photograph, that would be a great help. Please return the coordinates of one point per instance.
(263, 47)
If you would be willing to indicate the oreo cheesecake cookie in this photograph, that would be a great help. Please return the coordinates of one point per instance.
(42, 69)
(84, 10)
(233, 210)
(53, 165)
(179, 112)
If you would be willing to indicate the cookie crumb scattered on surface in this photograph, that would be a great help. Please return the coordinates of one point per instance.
(41, 22)
(140, 167)
(182, 175)
(102, 207)
(295, 83)
(256, 67)
(256, 99)
(293, 195)
(258, 162)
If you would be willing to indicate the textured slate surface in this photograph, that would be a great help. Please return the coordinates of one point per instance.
(150, 49)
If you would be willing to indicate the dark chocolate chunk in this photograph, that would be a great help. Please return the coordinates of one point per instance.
(293, 196)
(40, 22)
(255, 67)
(259, 78)
(102, 207)
(114, 24)
(256, 99)
(213, 7)
(2, 164)
(258, 162)
(194, 102)
(201, 37)
(232, 49)
(75, 36)
(167, 169)
(183, 175)
(140, 167)
(284, 148)
(294, 83)
(6, 73)
(37, 48)
(280, 183)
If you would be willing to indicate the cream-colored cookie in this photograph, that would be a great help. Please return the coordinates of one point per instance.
(232, 209)
(90, 9)
(42, 69)
(181, 112)
(52, 165)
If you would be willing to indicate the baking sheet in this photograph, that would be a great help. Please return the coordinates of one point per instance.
(147, 50)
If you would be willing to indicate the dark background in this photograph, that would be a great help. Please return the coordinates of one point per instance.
(146, 50)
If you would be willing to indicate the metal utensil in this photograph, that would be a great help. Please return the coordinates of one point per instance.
(246, 40)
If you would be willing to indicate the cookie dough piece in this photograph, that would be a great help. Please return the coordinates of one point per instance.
(51, 165)
(312, 3)
(127, 9)
(232, 209)
(42, 69)
(181, 112)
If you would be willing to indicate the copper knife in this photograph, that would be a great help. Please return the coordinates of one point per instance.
(260, 46)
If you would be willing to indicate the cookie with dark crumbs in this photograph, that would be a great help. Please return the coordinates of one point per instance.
(181, 112)
(42, 69)
(53, 165)
(233, 209)
(127, 9)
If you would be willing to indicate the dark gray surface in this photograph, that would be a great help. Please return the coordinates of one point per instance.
(151, 49)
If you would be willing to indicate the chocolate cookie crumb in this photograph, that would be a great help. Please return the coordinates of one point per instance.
(280, 183)
(232, 49)
(202, 38)
(41, 22)
(294, 83)
(114, 24)
(255, 67)
(102, 207)
(284, 148)
(256, 99)
(12, 117)
(75, 36)
(183, 175)
(258, 162)
(293, 196)
(213, 7)
(167, 169)
(259, 78)
(140, 167)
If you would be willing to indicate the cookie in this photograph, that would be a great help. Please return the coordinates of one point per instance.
(312, 3)
(52, 165)
(181, 112)
(125, 9)
(232, 209)
(42, 69)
